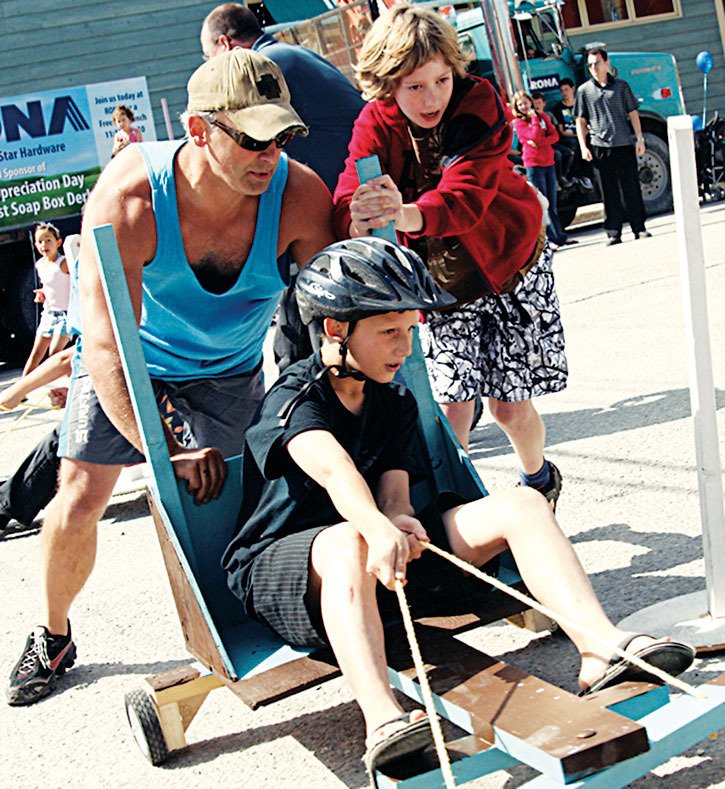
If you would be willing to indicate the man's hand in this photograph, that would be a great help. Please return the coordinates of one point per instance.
(640, 147)
(586, 154)
(39, 296)
(205, 471)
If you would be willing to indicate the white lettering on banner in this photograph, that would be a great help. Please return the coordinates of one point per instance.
(544, 82)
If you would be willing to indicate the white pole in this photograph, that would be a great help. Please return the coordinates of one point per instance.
(167, 119)
(702, 388)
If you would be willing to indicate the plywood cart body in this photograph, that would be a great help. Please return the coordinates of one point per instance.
(506, 716)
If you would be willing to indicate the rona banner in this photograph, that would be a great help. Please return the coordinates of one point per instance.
(54, 144)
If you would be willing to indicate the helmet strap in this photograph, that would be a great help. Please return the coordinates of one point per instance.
(343, 371)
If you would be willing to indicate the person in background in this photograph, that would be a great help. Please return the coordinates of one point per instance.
(52, 268)
(537, 137)
(562, 157)
(580, 172)
(606, 109)
(123, 117)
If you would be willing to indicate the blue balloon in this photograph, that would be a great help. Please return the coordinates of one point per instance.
(696, 122)
(705, 61)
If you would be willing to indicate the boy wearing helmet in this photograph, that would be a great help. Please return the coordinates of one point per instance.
(326, 525)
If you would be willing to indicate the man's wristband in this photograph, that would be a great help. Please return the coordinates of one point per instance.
(640, 139)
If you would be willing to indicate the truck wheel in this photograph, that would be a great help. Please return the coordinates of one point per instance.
(654, 175)
(146, 727)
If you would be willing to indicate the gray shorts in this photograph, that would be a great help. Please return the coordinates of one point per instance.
(278, 594)
(214, 412)
(509, 347)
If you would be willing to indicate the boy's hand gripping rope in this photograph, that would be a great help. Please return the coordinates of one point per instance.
(633, 659)
(435, 723)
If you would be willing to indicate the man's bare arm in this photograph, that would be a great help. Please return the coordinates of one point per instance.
(306, 223)
(121, 198)
(581, 133)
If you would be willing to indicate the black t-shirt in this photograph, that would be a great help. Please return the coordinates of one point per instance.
(565, 116)
(278, 498)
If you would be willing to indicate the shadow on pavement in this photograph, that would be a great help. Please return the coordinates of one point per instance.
(655, 408)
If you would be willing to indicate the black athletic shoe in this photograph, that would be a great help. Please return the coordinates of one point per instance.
(44, 659)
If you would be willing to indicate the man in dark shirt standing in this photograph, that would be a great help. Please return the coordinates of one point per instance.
(607, 106)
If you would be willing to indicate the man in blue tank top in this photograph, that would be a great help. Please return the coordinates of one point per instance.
(200, 224)
(327, 102)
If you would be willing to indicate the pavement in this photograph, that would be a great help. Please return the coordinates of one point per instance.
(622, 435)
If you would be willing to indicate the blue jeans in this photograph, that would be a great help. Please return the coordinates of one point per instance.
(544, 179)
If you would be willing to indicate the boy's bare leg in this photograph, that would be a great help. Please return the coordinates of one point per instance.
(525, 430)
(460, 416)
(522, 520)
(69, 535)
(352, 621)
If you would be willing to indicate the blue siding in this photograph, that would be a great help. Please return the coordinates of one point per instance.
(97, 41)
(695, 31)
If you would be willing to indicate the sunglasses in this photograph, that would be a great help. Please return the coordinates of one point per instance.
(250, 144)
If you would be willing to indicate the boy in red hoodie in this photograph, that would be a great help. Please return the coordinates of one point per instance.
(443, 137)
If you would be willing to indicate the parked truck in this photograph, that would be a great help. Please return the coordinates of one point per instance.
(524, 45)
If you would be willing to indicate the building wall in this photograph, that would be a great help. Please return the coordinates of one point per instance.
(50, 44)
(696, 30)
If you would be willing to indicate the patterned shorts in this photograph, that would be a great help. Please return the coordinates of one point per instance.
(52, 322)
(509, 347)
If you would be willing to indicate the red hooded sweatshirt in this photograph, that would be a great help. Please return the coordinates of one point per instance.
(541, 131)
(480, 198)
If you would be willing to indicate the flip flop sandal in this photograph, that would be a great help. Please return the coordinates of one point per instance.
(410, 739)
(673, 657)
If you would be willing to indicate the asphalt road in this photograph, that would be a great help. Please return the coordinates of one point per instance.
(623, 437)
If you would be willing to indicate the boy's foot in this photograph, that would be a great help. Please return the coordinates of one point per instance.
(672, 657)
(612, 240)
(45, 658)
(549, 490)
(585, 183)
(643, 234)
(552, 491)
(395, 740)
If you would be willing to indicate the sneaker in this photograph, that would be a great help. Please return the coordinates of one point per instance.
(45, 658)
(643, 234)
(585, 183)
(612, 240)
(551, 493)
(566, 183)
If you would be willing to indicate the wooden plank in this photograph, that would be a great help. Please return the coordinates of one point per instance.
(672, 729)
(550, 729)
(285, 680)
(197, 634)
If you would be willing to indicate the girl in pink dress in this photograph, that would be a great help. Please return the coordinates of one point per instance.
(123, 118)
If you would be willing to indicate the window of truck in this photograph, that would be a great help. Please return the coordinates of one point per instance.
(581, 15)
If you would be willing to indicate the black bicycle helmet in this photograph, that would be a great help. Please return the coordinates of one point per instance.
(360, 277)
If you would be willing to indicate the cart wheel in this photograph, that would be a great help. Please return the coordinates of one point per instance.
(146, 727)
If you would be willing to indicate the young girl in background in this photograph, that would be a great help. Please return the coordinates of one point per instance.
(123, 118)
(537, 136)
(51, 335)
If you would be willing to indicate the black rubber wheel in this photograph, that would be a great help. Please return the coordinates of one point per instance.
(146, 727)
(654, 175)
